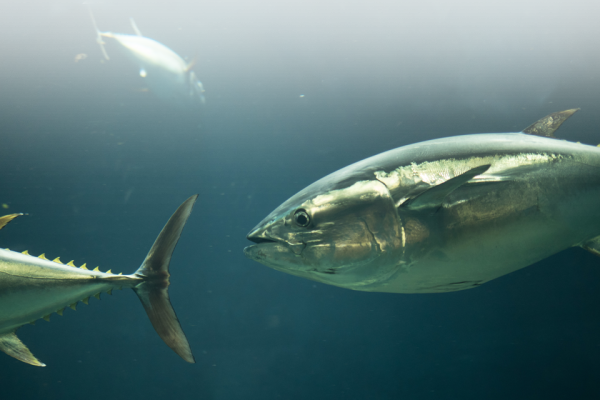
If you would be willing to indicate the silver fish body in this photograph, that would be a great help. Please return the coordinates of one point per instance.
(167, 75)
(31, 288)
(35, 287)
(441, 215)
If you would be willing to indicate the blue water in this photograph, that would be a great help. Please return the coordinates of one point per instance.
(99, 164)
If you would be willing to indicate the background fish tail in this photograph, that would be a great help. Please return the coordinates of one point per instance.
(98, 34)
(153, 291)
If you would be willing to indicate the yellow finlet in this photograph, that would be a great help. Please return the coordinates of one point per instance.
(97, 269)
(60, 312)
(86, 301)
(109, 291)
(97, 295)
(70, 264)
(109, 271)
(25, 252)
(42, 256)
(83, 266)
(47, 317)
(73, 306)
(57, 260)
(120, 273)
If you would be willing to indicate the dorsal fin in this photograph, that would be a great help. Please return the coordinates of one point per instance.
(5, 219)
(593, 246)
(549, 124)
(134, 26)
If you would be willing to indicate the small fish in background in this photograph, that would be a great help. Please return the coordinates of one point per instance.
(167, 75)
(80, 57)
(35, 287)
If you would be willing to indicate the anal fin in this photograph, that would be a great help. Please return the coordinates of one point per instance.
(11, 345)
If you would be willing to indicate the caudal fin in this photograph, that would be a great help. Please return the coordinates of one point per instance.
(153, 291)
(98, 34)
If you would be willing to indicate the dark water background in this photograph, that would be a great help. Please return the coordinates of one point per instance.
(99, 165)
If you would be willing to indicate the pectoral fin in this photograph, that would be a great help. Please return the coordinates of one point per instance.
(191, 64)
(431, 199)
(11, 345)
(135, 28)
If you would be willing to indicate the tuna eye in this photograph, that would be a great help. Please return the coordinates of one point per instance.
(301, 218)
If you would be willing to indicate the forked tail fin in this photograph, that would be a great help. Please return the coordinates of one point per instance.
(98, 34)
(153, 291)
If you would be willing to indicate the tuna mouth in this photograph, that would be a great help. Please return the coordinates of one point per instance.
(259, 240)
(264, 243)
(259, 251)
(259, 236)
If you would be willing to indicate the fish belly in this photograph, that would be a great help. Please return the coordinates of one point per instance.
(23, 300)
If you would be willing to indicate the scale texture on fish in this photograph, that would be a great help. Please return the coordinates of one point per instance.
(440, 215)
(35, 287)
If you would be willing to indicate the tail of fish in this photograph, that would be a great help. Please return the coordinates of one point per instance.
(150, 282)
(153, 291)
(98, 34)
